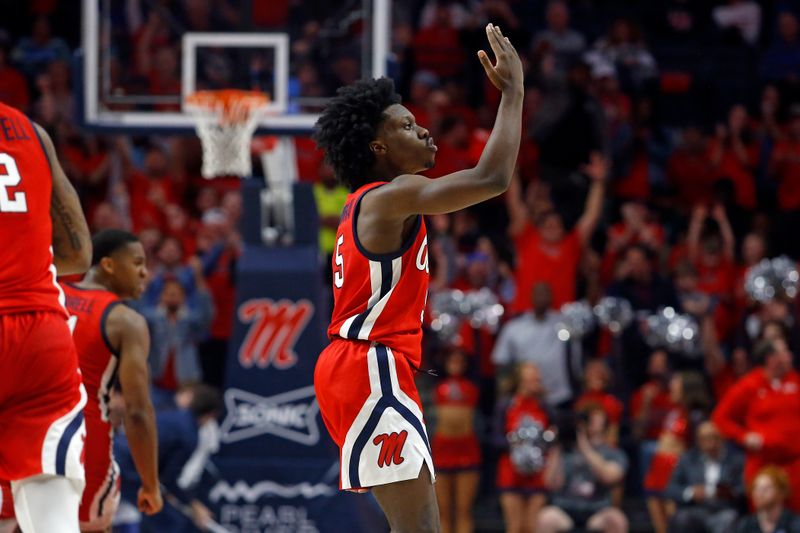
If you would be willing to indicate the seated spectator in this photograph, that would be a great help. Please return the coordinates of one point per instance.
(769, 492)
(597, 379)
(187, 435)
(760, 413)
(742, 18)
(639, 284)
(521, 494)
(175, 330)
(781, 60)
(565, 43)
(453, 147)
(688, 393)
(533, 338)
(707, 485)
(580, 480)
(455, 446)
(546, 252)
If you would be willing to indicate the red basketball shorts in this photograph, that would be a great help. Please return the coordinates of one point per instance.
(41, 398)
(370, 405)
(102, 493)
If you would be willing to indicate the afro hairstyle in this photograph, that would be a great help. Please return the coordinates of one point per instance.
(349, 123)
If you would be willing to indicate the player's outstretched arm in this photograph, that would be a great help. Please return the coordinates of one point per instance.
(72, 242)
(127, 330)
(413, 194)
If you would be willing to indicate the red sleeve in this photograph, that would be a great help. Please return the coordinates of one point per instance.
(731, 411)
(440, 394)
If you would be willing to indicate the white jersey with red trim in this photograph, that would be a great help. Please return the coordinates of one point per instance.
(379, 297)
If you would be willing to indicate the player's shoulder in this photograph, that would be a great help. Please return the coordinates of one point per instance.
(125, 318)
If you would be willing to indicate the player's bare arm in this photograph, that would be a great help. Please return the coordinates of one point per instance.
(127, 330)
(72, 242)
(411, 194)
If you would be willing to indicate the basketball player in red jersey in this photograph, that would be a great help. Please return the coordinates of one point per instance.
(364, 379)
(113, 342)
(43, 233)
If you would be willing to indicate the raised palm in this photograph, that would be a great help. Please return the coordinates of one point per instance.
(506, 73)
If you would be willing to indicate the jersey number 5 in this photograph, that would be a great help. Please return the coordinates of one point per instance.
(9, 177)
(338, 276)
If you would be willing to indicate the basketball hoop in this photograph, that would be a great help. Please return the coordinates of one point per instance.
(226, 120)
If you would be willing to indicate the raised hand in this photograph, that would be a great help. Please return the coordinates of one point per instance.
(506, 73)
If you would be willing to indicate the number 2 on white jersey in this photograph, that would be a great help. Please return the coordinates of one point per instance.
(9, 177)
(338, 275)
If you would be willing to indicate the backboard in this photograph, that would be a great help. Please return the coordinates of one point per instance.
(140, 59)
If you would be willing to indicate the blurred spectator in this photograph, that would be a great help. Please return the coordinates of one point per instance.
(649, 407)
(689, 169)
(580, 481)
(220, 247)
(784, 167)
(636, 227)
(546, 252)
(781, 60)
(176, 329)
(437, 47)
(13, 87)
(33, 53)
(187, 435)
(453, 143)
(707, 485)
(455, 446)
(330, 197)
(566, 43)
(691, 401)
(170, 267)
(768, 493)
(521, 496)
(533, 338)
(637, 283)
(760, 413)
(623, 46)
(742, 18)
(734, 154)
(56, 101)
(597, 379)
(568, 127)
(150, 189)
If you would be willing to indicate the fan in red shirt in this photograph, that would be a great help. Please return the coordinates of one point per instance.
(522, 494)
(784, 166)
(597, 378)
(546, 251)
(761, 412)
(651, 402)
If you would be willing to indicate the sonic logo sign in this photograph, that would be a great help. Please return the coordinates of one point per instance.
(290, 415)
(274, 329)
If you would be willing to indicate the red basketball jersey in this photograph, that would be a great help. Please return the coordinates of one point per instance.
(379, 297)
(27, 274)
(96, 357)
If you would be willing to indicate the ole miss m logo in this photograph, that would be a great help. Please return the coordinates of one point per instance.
(391, 448)
(274, 329)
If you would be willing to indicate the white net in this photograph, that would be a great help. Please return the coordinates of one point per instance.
(226, 121)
